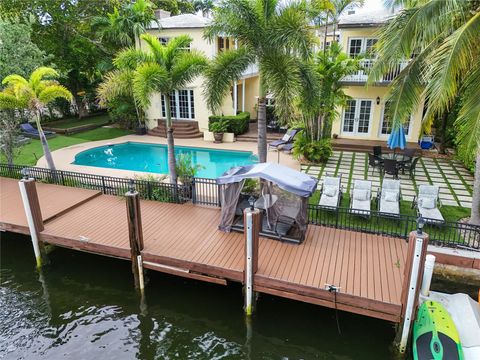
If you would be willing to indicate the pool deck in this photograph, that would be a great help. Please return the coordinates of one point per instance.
(183, 240)
(64, 157)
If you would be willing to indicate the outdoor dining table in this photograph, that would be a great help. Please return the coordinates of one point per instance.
(400, 158)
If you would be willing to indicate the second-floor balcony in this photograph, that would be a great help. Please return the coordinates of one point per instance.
(361, 76)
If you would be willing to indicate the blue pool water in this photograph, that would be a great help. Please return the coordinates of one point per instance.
(153, 158)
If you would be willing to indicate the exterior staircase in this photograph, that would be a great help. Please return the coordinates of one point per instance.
(182, 129)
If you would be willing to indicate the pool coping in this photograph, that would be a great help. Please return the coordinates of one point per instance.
(64, 157)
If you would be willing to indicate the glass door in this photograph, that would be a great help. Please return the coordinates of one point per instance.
(357, 117)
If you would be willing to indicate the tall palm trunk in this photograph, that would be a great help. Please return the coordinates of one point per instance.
(43, 140)
(475, 216)
(170, 142)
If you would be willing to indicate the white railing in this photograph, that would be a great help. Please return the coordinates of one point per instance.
(362, 74)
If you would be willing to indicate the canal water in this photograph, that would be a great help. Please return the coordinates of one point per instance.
(84, 306)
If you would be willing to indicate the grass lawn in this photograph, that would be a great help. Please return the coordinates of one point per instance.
(29, 154)
(74, 122)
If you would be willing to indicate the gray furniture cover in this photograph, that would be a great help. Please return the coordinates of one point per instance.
(331, 192)
(427, 204)
(390, 198)
(361, 197)
(291, 187)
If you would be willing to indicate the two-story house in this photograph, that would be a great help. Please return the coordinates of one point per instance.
(364, 116)
(188, 105)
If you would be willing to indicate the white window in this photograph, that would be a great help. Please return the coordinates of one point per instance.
(182, 105)
(357, 46)
(386, 126)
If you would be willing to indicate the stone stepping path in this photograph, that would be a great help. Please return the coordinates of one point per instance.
(456, 182)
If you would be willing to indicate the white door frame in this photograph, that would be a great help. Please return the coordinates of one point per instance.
(357, 118)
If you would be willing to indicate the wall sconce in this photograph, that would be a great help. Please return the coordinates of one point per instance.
(378, 100)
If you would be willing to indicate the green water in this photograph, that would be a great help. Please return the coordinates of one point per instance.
(84, 307)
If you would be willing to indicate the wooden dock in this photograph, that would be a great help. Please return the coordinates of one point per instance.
(183, 240)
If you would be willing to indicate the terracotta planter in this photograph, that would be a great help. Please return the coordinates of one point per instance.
(218, 137)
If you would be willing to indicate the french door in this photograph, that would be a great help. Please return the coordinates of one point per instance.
(357, 117)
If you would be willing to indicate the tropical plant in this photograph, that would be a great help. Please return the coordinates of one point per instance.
(338, 8)
(218, 127)
(322, 93)
(316, 151)
(441, 40)
(205, 6)
(124, 25)
(273, 35)
(162, 69)
(34, 94)
(185, 168)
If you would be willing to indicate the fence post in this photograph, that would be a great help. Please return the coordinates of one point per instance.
(194, 191)
(252, 220)
(104, 191)
(135, 235)
(219, 192)
(413, 276)
(33, 213)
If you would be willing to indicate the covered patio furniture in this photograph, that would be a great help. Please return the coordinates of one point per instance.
(331, 193)
(427, 142)
(29, 131)
(427, 203)
(360, 202)
(286, 139)
(388, 198)
(284, 199)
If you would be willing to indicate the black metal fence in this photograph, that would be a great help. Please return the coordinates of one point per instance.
(456, 234)
(150, 190)
(204, 191)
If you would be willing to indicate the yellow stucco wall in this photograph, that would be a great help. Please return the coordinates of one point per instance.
(345, 34)
(371, 93)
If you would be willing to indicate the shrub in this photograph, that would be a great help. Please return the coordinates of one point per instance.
(237, 124)
(251, 187)
(184, 167)
(218, 127)
(314, 151)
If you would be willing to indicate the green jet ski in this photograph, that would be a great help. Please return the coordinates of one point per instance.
(435, 336)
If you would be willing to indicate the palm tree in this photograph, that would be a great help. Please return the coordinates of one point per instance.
(162, 69)
(441, 40)
(339, 7)
(35, 94)
(205, 6)
(269, 34)
(125, 25)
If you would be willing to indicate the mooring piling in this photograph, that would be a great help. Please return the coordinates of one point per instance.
(33, 213)
(416, 253)
(252, 219)
(135, 235)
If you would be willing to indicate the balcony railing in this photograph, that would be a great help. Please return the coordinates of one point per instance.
(362, 75)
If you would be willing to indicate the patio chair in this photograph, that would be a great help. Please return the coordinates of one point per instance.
(287, 147)
(410, 152)
(29, 131)
(412, 167)
(427, 203)
(285, 221)
(360, 203)
(331, 192)
(377, 151)
(390, 167)
(286, 139)
(388, 198)
(374, 162)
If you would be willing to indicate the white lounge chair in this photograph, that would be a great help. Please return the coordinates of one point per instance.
(331, 193)
(389, 198)
(427, 202)
(361, 197)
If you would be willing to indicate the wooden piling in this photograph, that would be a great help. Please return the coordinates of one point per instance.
(31, 205)
(252, 220)
(414, 266)
(135, 235)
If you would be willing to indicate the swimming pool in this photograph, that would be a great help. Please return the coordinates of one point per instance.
(153, 158)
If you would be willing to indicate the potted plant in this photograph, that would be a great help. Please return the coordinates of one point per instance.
(218, 128)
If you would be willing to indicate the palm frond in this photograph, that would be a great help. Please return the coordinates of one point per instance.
(187, 66)
(155, 47)
(130, 58)
(52, 92)
(115, 83)
(40, 74)
(174, 47)
(14, 79)
(226, 68)
(450, 62)
(148, 79)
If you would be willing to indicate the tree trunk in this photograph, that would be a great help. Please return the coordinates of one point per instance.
(262, 129)
(443, 137)
(46, 149)
(475, 215)
(170, 142)
(82, 111)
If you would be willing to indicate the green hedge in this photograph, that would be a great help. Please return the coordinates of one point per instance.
(236, 124)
